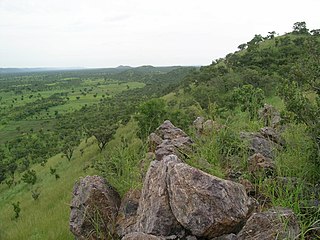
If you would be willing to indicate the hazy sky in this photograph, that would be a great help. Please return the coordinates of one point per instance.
(102, 33)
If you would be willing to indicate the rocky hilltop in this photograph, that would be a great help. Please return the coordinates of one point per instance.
(178, 201)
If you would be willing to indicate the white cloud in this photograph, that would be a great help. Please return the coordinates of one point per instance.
(101, 33)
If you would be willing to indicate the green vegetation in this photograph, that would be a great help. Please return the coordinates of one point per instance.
(57, 126)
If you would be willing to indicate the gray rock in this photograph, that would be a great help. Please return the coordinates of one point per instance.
(279, 223)
(154, 140)
(127, 215)
(141, 236)
(226, 237)
(198, 124)
(191, 238)
(271, 134)
(261, 166)
(168, 131)
(270, 116)
(164, 149)
(206, 205)
(93, 198)
(259, 144)
(154, 212)
(173, 141)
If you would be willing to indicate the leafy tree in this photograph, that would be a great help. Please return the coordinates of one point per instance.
(103, 134)
(300, 28)
(150, 115)
(242, 46)
(30, 177)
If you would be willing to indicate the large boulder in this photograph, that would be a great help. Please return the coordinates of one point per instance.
(127, 215)
(141, 236)
(206, 205)
(94, 208)
(154, 212)
(279, 223)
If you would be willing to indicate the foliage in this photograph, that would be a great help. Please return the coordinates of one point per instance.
(249, 98)
(30, 177)
(16, 209)
(150, 115)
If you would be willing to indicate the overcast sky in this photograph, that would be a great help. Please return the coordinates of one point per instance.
(108, 33)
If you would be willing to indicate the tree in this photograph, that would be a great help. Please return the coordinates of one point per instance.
(242, 46)
(315, 32)
(300, 28)
(103, 134)
(30, 177)
(151, 114)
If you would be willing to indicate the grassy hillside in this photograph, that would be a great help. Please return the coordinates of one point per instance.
(48, 216)
(282, 71)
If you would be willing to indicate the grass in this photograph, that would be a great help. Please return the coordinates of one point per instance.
(47, 217)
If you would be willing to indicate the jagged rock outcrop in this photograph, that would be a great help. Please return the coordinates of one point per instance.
(154, 212)
(206, 205)
(279, 223)
(141, 236)
(127, 214)
(93, 198)
(178, 201)
(174, 141)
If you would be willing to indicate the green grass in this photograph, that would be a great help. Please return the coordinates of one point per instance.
(47, 217)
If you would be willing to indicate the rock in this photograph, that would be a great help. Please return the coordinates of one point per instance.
(165, 149)
(191, 238)
(154, 212)
(93, 198)
(226, 237)
(173, 141)
(141, 236)
(198, 124)
(168, 131)
(206, 205)
(261, 166)
(127, 215)
(271, 134)
(250, 189)
(154, 140)
(277, 223)
(270, 116)
(259, 144)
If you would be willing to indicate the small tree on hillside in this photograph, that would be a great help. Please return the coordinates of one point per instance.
(103, 134)
(30, 177)
(151, 114)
